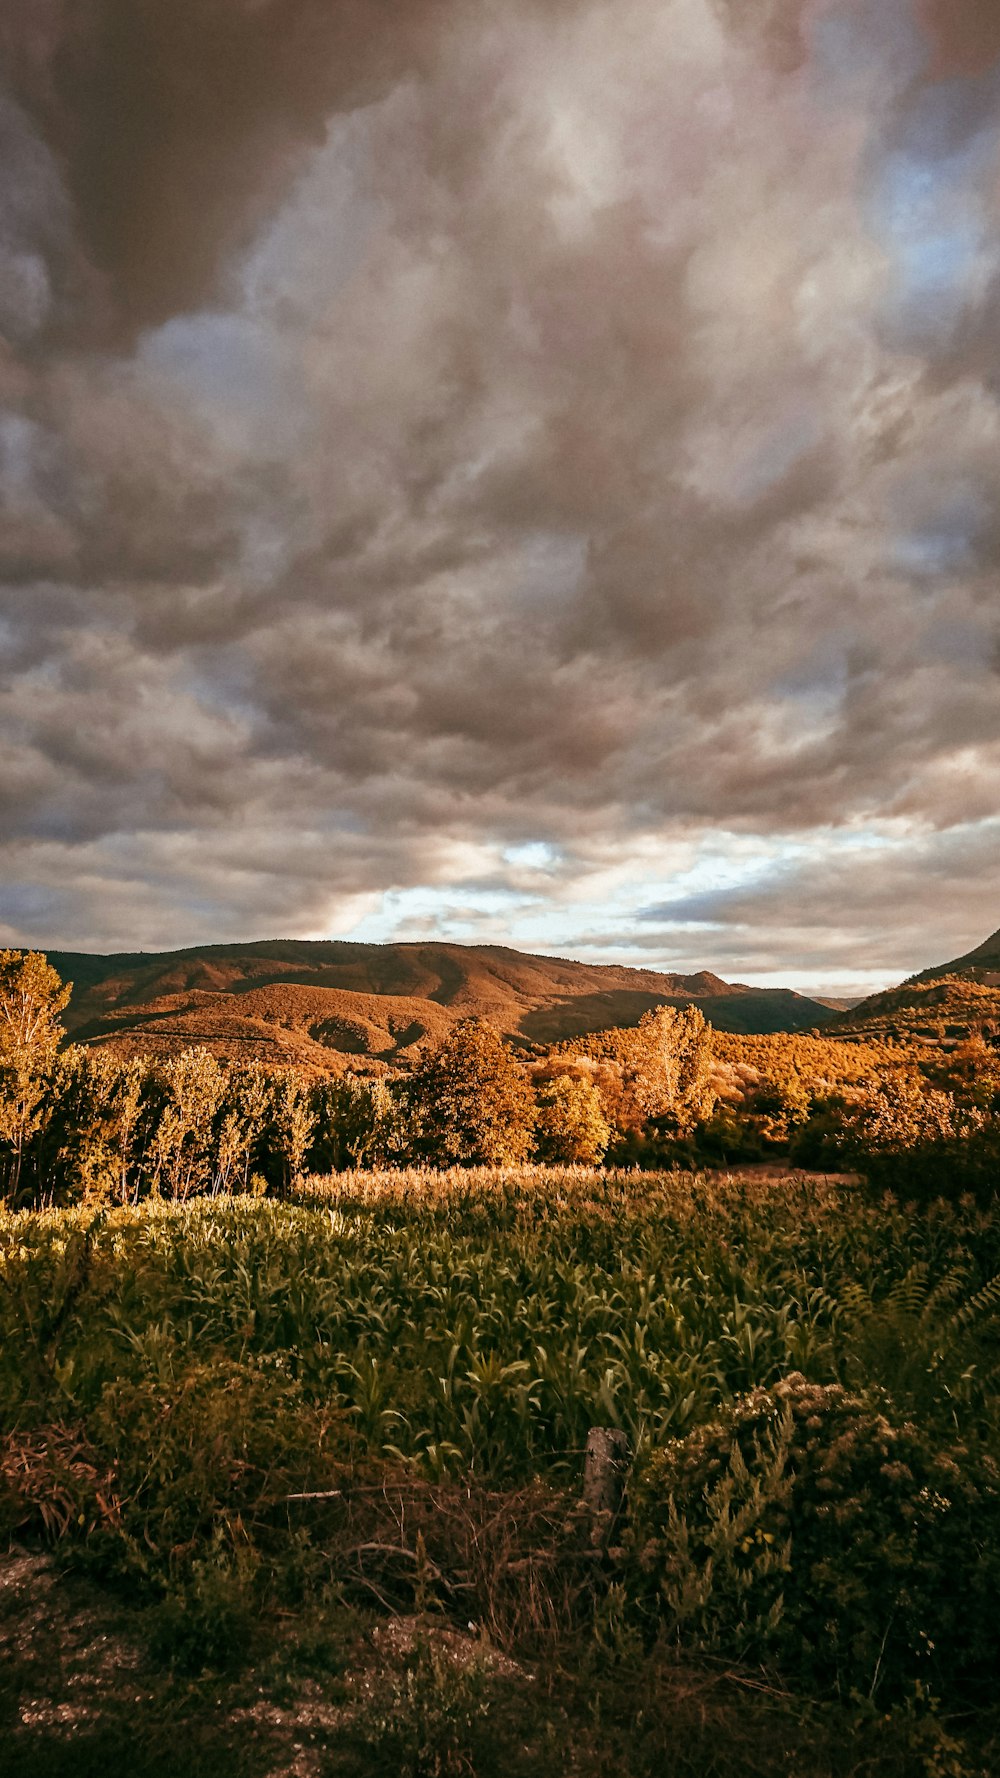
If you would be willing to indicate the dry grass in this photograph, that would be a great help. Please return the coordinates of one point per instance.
(51, 1480)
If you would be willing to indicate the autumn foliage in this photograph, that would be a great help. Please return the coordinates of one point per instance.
(87, 1123)
(471, 1102)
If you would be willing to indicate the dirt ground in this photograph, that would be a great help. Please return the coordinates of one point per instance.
(773, 1170)
(81, 1696)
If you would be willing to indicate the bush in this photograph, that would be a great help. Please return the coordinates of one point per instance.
(820, 1141)
(52, 1481)
(945, 1167)
(804, 1529)
(425, 1719)
(923, 1143)
(726, 1137)
(206, 1617)
(216, 1439)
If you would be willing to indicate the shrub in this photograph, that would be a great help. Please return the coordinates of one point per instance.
(820, 1141)
(802, 1528)
(923, 1143)
(727, 1137)
(215, 1438)
(52, 1481)
(425, 1719)
(206, 1617)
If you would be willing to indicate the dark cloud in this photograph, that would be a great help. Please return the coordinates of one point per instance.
(180, 122)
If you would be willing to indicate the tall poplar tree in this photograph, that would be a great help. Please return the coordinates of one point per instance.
(32, 996)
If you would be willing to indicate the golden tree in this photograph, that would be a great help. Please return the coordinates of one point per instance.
(473, 1102)
(183, 1146)
(659, 1071)
(570, 1125)
(32, 996)
(294, 1124)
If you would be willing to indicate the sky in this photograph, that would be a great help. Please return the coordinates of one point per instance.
(512, 471)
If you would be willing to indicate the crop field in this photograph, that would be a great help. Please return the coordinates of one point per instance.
(381, 1390)
(483, 1322)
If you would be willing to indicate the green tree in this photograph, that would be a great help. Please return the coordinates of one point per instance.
(32, 996)
(361, 1122)
(73, 1154)
(247, 1114)
(126, 1105)
(570, 1126)
(473, 1103)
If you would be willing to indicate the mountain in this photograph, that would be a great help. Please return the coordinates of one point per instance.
(942, 1005)
(333, 1004)
(980, 965)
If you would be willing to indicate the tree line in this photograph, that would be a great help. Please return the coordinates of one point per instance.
(88, 1123)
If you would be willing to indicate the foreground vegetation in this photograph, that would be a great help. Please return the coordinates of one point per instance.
(377, 1396)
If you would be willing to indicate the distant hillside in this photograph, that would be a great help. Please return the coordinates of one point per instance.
(334, 1004)
(980, 965)
(944, 1004)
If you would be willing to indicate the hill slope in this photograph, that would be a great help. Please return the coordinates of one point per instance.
(979, 965)
(943, 1004)
(333, 1004)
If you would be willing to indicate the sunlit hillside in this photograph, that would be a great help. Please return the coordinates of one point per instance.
(941, 1006)
(331, 1005)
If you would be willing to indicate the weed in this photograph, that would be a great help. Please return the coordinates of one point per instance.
(207, 1615)
(426, 1720)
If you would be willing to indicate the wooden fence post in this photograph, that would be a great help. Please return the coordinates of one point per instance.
(605, 1469)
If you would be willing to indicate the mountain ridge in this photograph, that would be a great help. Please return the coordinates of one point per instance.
(983, 960)
(333, 1003)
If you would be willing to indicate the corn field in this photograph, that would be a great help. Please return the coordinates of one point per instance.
(480, 1322)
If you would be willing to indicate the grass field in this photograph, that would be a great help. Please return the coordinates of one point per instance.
(427, 1353)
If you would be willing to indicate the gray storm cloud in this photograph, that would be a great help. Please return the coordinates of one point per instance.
(433, 429)
(179, 123)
